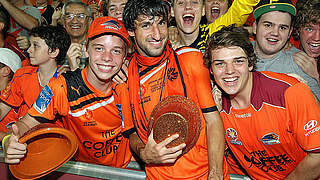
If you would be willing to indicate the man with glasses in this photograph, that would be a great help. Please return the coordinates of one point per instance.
(76, 19)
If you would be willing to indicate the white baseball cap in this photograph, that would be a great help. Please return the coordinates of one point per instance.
(10, 59)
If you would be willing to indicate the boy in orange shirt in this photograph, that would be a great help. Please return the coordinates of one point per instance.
(91, 105)
(49, 46)
(271, 120)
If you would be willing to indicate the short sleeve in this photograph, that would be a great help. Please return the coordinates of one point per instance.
(12, 94)
(199, 75)
(305, 116)
(121, 94)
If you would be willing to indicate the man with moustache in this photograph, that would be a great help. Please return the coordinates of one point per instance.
(179, 73)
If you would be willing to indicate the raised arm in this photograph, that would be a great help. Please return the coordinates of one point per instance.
(237, 14)
(24, 19)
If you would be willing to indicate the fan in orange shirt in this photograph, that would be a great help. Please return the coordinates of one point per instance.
(271, 120)
(49, 45)
(92, 107)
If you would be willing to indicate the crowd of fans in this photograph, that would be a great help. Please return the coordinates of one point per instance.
(99, 67)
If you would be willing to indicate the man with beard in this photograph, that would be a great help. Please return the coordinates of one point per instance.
(156, 71)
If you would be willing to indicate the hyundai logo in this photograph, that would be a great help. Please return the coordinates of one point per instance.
(310, 125)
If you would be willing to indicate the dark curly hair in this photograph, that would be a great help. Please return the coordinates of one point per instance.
(55, 37)
(135, 8)
(230, 36)
(308, 11)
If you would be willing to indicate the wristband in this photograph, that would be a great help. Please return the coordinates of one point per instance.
(4, 139)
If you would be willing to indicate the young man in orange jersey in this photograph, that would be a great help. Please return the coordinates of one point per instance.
(157, 71)
(271, 120)
(92, 107)
(49, 46)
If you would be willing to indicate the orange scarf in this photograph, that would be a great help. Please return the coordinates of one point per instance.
(173, 87)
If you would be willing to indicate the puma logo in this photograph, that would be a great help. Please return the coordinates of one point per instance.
(76, 90)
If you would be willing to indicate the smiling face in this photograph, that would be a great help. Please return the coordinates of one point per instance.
(215, 9)
(187, 14)
(106, 55)
(77, 26)
(310, 39)
(38, 51)
(272, 33)
(115, 8)
(231, 71)
(150, 35)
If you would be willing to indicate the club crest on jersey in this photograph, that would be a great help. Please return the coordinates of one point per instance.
(270, 139)
(232, 135)
(172, 74)
(43, 99)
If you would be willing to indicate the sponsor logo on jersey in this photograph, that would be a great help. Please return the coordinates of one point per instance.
(267, 161)
(270, 139)
(311, 127)
(243, 115)
(105, 147)
(232, 135)
(43, 99)
(76, 90)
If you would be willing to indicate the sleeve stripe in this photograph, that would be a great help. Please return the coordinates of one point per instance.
(42, 119)
(186, 50)
(129, 131)
(315, 150)
(210, 109)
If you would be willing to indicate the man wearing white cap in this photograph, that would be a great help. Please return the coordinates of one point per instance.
(9, 63)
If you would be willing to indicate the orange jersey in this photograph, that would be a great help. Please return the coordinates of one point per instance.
(181, 74)
(272, 135)
(22, 90)
(94, 117)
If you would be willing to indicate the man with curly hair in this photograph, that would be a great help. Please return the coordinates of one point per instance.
(307, 30)
(271, 120)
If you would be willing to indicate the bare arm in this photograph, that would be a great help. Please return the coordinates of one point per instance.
(215, 141)
(153, 153)
(308, 168)
(24, 19)
(14, 150)
(4, 110)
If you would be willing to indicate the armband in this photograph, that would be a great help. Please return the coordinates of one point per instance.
(4, 139)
